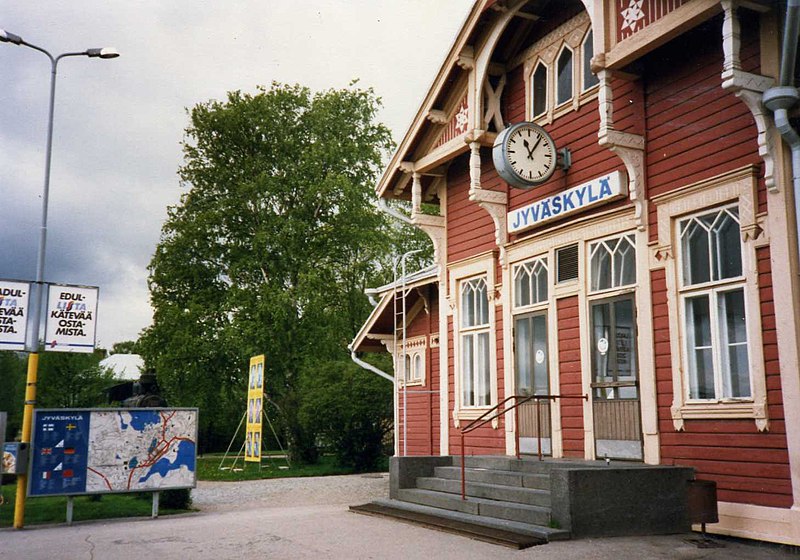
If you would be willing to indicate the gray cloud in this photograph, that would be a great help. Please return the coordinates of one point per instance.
(119, 123)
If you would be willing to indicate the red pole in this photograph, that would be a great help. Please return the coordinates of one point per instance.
(516, 424)
(539, 426)
(463, 470)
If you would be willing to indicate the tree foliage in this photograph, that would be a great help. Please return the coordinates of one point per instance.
(269, 251)
(68, 380)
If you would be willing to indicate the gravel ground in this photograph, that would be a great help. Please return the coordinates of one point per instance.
(282, 492)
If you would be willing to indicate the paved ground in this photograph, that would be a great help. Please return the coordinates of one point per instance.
(308, 518)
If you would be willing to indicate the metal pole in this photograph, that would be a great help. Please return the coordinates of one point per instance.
(38, 300)
(539, 426)
(463, 470)
(516, 424)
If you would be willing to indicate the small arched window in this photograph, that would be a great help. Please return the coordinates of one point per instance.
(589, 79)
(539, 88)
(564, 79)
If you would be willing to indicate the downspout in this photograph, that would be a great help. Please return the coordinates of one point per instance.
(783, 97)
(383, 206)
(370, 367)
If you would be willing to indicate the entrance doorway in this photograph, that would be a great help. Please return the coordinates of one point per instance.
(615, 380)
(532, 376)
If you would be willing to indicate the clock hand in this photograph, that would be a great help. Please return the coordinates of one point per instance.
(536, 145)
(527, 147)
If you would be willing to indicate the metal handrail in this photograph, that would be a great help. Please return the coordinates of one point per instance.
(482, 419)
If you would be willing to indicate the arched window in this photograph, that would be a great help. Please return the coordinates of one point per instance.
(539, 89)
(564, 79)
(589, 79)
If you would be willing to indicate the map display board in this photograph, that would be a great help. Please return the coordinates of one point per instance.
(96, 451)
(14, 298)
(71, 319)
(255, 402)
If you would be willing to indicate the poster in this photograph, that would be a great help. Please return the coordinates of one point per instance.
(14, 298)
(71, 319)
(255, 404)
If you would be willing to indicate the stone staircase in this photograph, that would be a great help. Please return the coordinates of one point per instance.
(522, 502)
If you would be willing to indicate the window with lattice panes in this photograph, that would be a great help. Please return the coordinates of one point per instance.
(612, 263)
(474, 335)
(713, 306)
(530, 282)
(564, 77)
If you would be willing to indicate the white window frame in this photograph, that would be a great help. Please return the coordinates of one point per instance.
(590, 249)
(539, 64)
(415, 349)
(573, 62)
(522, 268)
(546, 51)
(712, 289)
(480, 266)
(737, 187)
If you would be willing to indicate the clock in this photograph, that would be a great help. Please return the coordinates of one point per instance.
(524, 155)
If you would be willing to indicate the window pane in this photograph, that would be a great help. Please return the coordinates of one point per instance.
(727, 248)
(467, 351)
(601, 267)
(625, 263)
(482, 382)
(699, 348)
(625, 332)
(482, 304)
(695, 252)
(418, 367)
(467, 305)
(539, 90)
(589, 79)
(601, 341)
(407, 372)
(522, 353)
(541, 282)
(733, 332)
(522, 287)
(541, 381)
(564, 77)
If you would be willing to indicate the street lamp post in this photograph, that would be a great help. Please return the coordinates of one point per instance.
(38, 301)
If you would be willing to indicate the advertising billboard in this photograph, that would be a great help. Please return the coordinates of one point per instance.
(14, 298)
(71, 319)
(255, 405)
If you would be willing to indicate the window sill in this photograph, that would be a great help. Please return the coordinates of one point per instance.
(721, 410)
(468, 414)
(416, 383)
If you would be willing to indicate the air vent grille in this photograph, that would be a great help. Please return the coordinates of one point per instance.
(567, 263)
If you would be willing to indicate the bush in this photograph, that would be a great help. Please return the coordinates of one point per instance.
(176, 499)
(351, 411)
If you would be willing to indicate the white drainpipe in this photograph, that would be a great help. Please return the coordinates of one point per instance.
(783, 97)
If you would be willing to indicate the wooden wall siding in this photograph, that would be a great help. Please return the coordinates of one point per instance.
(569, 357)
(577, 130)
(748, 466)
(470, 229)
(695, 129)
(529, 419)
(423, 404)
(631, 20)
(457, 125)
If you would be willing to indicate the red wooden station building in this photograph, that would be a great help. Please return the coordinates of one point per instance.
(608, 186)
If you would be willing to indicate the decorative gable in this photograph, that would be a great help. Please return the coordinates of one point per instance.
(458, 124)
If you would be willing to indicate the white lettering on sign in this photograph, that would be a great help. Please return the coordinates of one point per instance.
(597, 191)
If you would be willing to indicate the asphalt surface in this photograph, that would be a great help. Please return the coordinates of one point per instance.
(308, 518)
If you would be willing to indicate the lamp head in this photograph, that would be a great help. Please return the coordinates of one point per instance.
(105, 52)
(8, 37)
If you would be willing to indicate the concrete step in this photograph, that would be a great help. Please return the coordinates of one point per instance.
(519, 479)
(525, 464)
(529, 496)
(538, 532)
(523, 513)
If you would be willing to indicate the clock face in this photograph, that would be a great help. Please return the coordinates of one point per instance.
(530, 153)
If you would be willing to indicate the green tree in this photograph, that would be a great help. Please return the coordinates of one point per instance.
(67, 380)
(12, 390)
(269, 251)
(125, 347)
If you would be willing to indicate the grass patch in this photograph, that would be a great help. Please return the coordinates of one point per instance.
(208, 468)
(54, 509)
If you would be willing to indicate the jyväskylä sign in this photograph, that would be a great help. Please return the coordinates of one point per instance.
(71, 319)
(597, 191)
(13, 314)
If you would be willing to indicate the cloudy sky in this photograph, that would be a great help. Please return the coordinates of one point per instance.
(119, 123)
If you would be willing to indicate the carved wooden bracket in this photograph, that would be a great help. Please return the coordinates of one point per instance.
(629, 147)
(494, 202)
(749, 88)
(493, 112)
(433, 226)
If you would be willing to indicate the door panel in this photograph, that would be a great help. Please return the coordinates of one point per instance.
(615, 386)
(531, 370)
